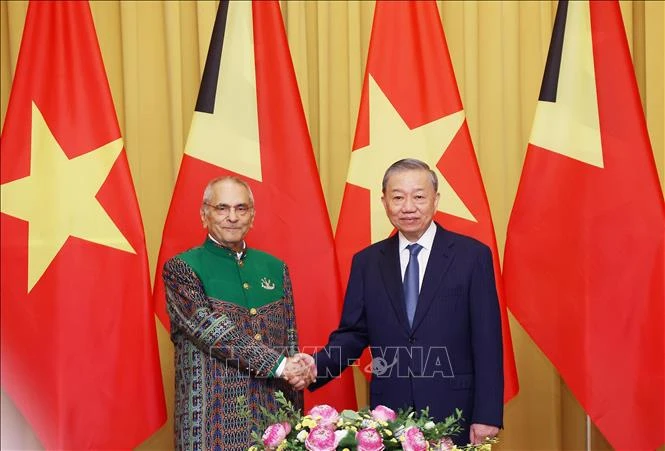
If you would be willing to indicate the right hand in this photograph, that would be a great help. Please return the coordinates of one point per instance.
(300, 371)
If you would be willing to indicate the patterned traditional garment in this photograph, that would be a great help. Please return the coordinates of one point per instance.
(232, 321)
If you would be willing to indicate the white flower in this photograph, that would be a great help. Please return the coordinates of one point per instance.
(339, 435)
(429, 425)
(302, 435)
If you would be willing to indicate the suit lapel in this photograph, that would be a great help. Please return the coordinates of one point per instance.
(392, 278)
(438, 264)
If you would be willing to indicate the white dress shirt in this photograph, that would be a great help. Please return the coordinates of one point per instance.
(426, 241)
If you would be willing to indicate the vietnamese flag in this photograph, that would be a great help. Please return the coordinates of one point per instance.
(411, 108)
(249, 122)
(79, 350)
(585, 263)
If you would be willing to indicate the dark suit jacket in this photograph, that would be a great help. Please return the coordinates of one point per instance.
(451, 357)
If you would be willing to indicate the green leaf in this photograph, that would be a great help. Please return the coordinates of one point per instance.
(349, 441)
(350, 415)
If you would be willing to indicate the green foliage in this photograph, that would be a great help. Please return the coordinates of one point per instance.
(353, 421)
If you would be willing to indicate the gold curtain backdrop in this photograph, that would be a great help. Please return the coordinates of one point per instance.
(154, 53)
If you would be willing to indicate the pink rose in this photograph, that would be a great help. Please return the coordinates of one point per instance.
(413, 440)
(275, 434)
(321, 438)
(324, 414)
(446, 444)
(369, 440)
(383, 413)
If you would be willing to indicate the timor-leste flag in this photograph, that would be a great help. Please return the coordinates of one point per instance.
(79, 350)
(249, 122)
(411, 108)
(584, 261)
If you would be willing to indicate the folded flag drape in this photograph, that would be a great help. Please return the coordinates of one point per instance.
(79, 349)
(584, 261)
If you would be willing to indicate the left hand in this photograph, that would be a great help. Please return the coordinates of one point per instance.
(481, 431)
(300, 371)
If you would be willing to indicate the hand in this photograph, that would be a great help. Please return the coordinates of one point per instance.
(481, 431)
(300, 371)
(309, 362)
(297, 372)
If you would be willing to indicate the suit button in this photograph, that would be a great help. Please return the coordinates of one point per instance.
(257, 337)
(412, 340)
(252, 311)
(245, 286)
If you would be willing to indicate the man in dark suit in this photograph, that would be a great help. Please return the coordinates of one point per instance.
(425, 302)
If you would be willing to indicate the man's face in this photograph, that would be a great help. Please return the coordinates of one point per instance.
(410, 202)
(229, 215)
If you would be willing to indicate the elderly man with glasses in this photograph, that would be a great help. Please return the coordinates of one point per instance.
(233, 327)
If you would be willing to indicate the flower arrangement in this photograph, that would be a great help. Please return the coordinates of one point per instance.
(325, 429)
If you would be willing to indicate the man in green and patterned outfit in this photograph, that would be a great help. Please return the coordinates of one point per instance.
(233, 326)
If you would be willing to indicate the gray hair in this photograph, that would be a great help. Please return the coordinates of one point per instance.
(207, 193)
(409, 164)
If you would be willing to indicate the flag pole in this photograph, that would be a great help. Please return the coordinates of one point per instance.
(588, 432)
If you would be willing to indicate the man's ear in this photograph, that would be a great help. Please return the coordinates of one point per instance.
(202, 213)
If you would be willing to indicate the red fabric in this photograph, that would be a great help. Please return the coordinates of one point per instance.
(291, 218)
(79, 350)
(584, 259)
(409, 59)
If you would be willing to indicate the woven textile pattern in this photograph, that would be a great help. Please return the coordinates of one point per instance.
(224, 352)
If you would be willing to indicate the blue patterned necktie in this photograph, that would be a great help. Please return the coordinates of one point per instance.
(412, 281)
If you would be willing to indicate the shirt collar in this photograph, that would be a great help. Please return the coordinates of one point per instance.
(426, 240)
(239, 255)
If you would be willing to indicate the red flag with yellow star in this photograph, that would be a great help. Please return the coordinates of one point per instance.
(79, 350)
(585, 263)
(249, 122)
(411, 108)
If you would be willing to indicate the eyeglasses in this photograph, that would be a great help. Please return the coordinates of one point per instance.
(224, 210)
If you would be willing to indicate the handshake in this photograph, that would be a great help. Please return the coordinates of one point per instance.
(299, 371)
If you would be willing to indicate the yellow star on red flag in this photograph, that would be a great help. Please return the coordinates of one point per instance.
(58, 198)
(390, 140)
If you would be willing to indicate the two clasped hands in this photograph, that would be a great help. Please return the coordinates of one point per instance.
(300, 371)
